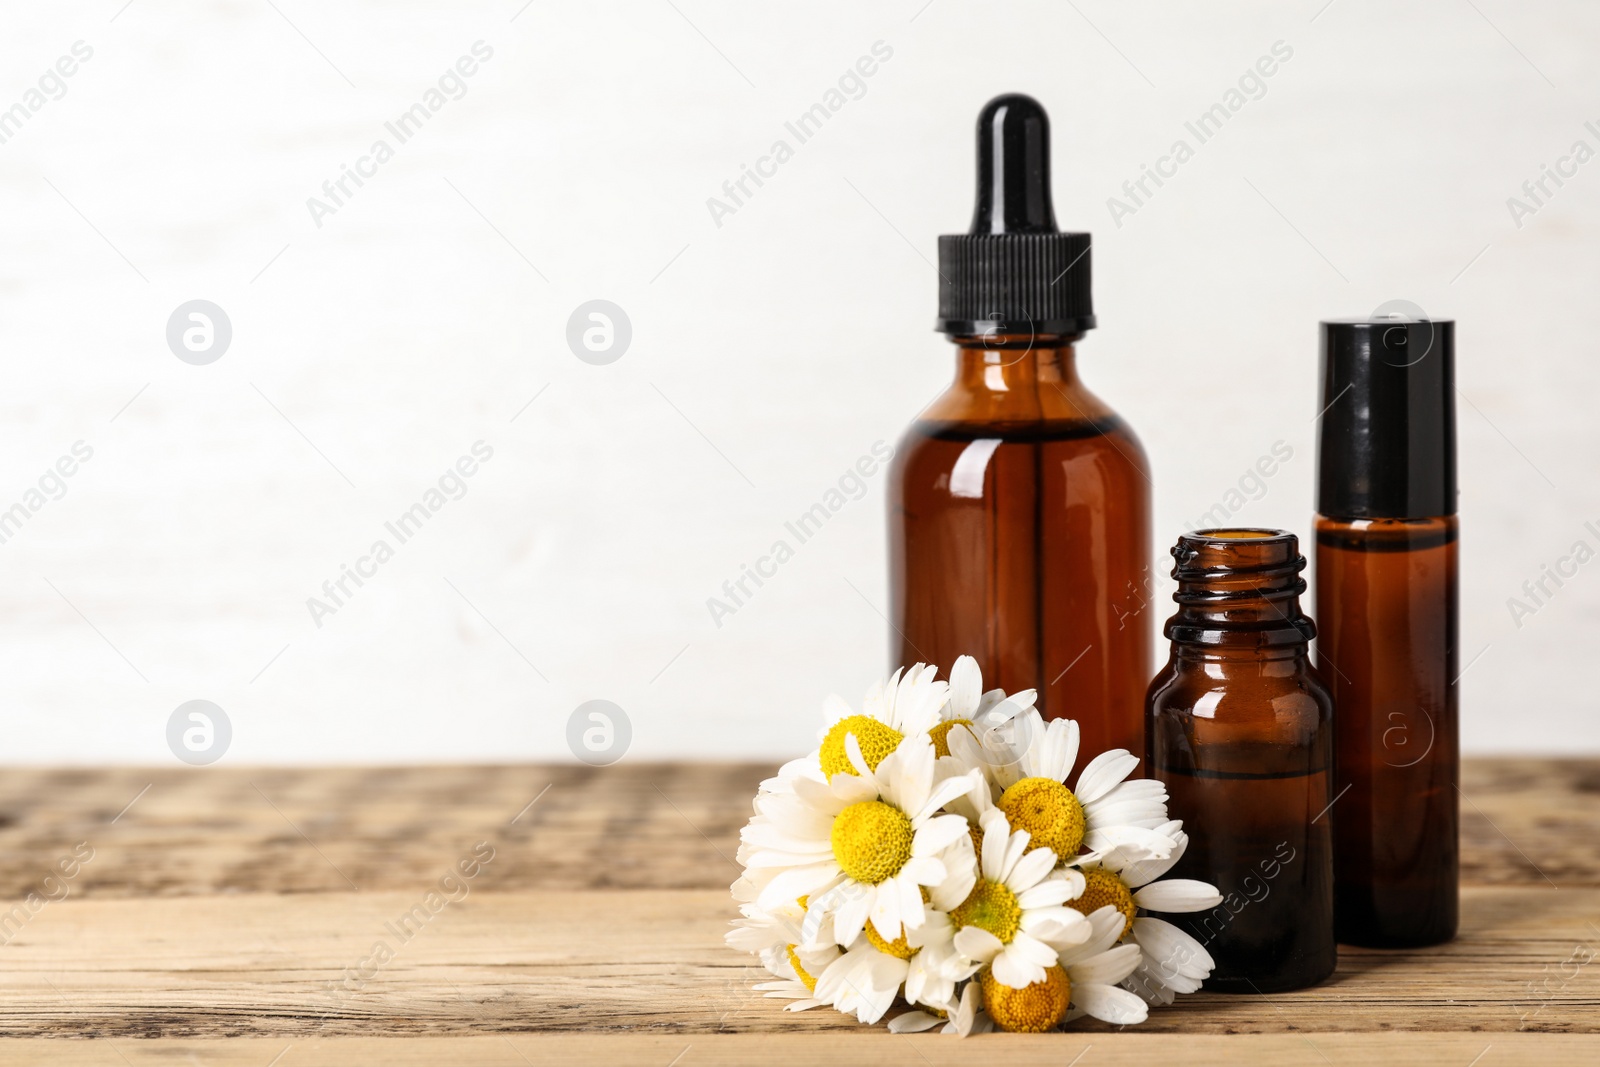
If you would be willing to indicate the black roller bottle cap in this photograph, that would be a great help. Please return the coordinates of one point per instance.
(1014, 272)
(1387, 448)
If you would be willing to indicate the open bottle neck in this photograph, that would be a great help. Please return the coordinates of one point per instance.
(1239, 593)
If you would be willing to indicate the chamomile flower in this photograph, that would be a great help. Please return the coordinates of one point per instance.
(1014, 919)
(942, 846)
(970, 707)
(1171, 961)
(922, 962)
(862, 846)
(1082, 983)
(1104, 815)
(907, 704)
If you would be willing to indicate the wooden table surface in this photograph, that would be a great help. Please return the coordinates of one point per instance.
(235, 916)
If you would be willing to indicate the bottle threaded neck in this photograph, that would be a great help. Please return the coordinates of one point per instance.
(1239, 583)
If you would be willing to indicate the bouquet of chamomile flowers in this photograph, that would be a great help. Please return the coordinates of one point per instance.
(932, 854)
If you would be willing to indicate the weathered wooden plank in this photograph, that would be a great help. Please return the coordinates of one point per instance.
(635, 825)
(868, 1049)
(651, 962)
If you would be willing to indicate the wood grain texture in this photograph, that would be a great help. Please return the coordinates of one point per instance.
(669, 826)
(647, 961)
(249, 906)
(874, 1048)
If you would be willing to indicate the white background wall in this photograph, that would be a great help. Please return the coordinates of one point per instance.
(768, 354)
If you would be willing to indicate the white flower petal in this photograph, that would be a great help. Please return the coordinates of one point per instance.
(1178, 894)
(819, 794)
(852, 749)
(964, 1020)
(948, 893)
(934, 929)
(1106, 925)
(1154, 992)
(1046, 893)
(1170, 952)
(1109, 1003)
(912, 912)
(1108, 967)
(925, 870)
(948, 789)
(968, 752)
(1016, 848)
(834, 708)
(938, 834)
(1146, 812)
(851, 914)
(913, 781)
(1013, 968)
(1074, 878)
(1136, 872)
(885, 915)
(1102, 841)
(966, 688)
(849, 789)
(1055, 751)
(976, 943)
(1062, 927)
(1031, 869)
(1104, 773)
(1030, 948)
(789, 885)
(996, 836)
(913, 1022)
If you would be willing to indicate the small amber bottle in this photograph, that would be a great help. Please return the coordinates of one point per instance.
(1019, 502)
(1239, 728)
(1387, 599)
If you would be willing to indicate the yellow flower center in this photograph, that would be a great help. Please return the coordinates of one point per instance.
(1032, 1009)
(804, 976)
(876, 739)
(897, 948)
(941, 735)
(1049, 812)
(992, 907)
(871, 840)
(1102, 887)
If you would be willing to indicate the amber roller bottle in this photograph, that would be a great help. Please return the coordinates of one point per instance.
(1386, 600)
(1240, 730)
(1019, 502)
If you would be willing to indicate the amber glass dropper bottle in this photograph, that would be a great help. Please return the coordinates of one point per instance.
(1019, 502)
(1387, 602)
(1241, 733)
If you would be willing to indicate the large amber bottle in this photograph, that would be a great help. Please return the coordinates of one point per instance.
(1019, 503)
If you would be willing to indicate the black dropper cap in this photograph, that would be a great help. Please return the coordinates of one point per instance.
(1014, 272)
(1387, 449)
